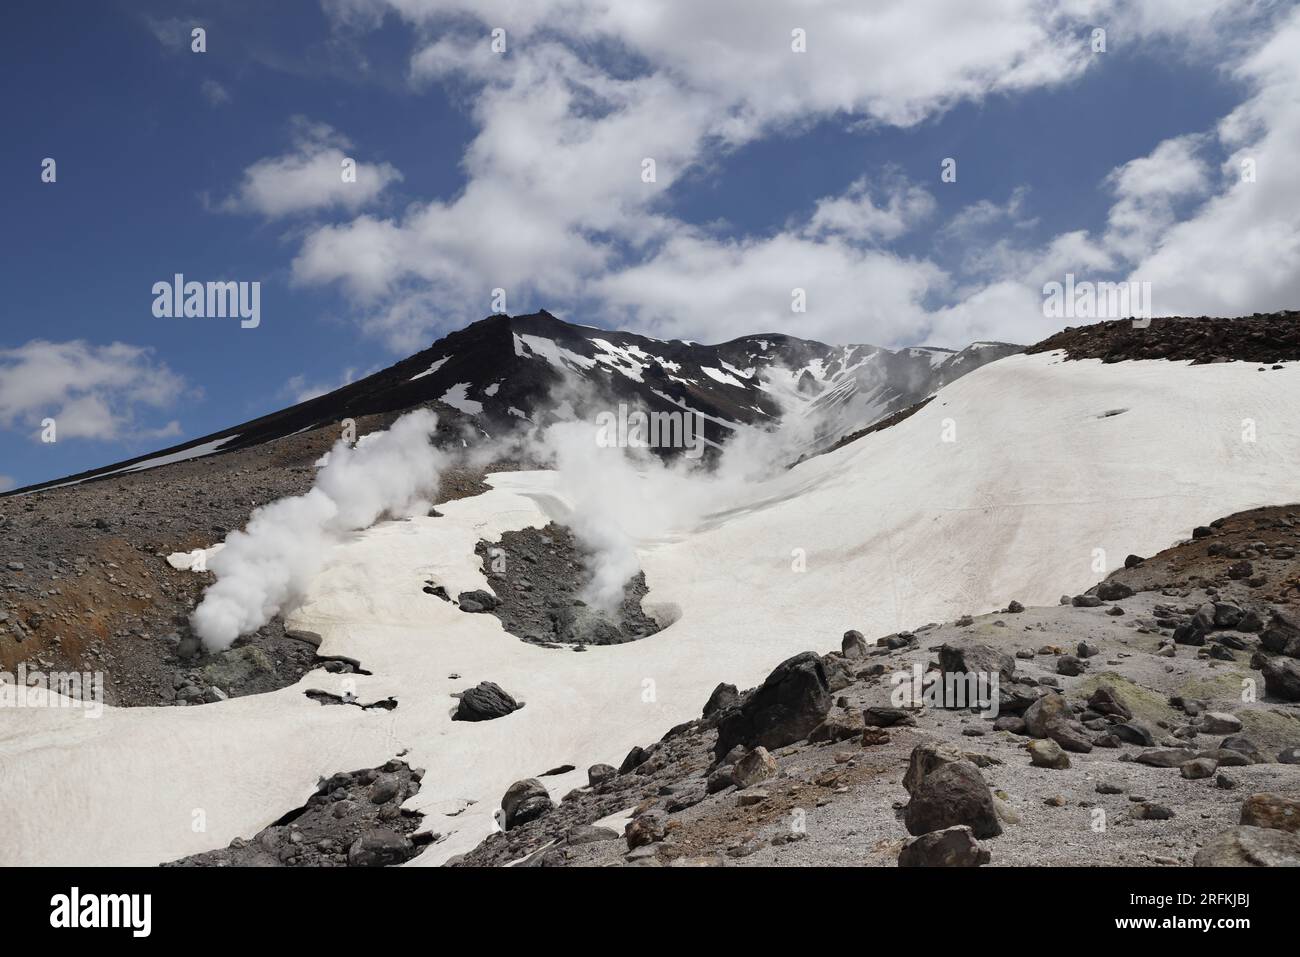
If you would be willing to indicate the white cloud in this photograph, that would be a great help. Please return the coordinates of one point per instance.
(310, 178)
(733, 288)
(854, 215)
(214, 93)
(555, 210)
(1240, 252)
(91, 391)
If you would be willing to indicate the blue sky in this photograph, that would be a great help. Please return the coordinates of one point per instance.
(521, 169)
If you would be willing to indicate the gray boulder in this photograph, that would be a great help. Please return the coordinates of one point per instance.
(951, 795)
(951, 847)
(525, 801)
(1246, 846)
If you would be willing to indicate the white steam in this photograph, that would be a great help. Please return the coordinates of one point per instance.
(266, 568)
(626, 498)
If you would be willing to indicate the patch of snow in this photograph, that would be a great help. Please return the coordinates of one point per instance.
(724, 378)
(456, 398)
(438, 364)
(551, 351)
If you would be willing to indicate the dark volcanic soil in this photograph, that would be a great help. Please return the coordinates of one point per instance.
(1264, 338)
(538, 576)
(85, 585)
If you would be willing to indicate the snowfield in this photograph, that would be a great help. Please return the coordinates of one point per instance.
(891, 531)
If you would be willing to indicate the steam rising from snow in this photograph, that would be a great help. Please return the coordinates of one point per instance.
(622, 499)
(625, 498)
(268, 566)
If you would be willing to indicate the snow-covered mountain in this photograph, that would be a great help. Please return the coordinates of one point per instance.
(1052, 462)
(507, 370)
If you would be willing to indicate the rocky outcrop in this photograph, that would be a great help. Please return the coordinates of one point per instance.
(485, 701)
(785, 708)
(525, 801)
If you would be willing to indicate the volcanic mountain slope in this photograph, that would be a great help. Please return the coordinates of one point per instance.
(1052, 461)
(507, 370)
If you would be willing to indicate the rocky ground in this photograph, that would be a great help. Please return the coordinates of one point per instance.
(538, 576)
(85, 585)
(1152, 720)
(1265, 338)
(354, 819)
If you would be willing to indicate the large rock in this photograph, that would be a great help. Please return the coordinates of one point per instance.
(724, 696)
(1105, 701)
(1049, 710)
(837, 727)
(976, 659)
(1219, 722)
(853, 645)
(646, 828)
(1271, 810)
(524, 801)
(784, 709)
(1113, 591)
(1050, 717)
(1282, 678)
(1048, 754)
(926, 758)
(754, 768)
(1245, 846)
(477, 601)
(379, 848)
(1242, 745)
(839, 675)
(598, 774)
(581, 834)
(1282, 634)
(951, 847)
(1165, 757)
(951, 795)
(485, 701)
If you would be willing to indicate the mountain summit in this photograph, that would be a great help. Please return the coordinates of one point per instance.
(504, 371)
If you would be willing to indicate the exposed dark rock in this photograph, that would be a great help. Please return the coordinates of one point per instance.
(525, 801)
(951, 847)
(484, 702)
(477, 600)
(1282, 678)
(785, 708)
(724, 696)
(952, 794)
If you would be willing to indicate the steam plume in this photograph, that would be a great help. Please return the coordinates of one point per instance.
(266, 568)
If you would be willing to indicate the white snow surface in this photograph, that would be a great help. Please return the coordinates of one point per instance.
(457, 398)
(899, 528)
(437, 364)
